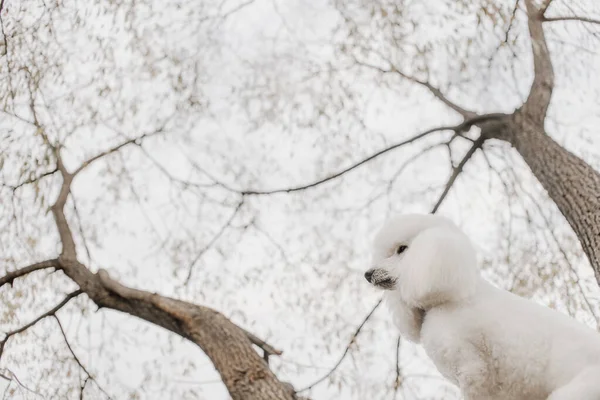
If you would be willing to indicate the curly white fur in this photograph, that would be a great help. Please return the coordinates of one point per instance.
(491, 343)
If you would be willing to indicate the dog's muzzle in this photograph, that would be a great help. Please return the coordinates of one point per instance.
(380, 278)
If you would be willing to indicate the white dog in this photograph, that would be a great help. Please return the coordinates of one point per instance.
(494, 345)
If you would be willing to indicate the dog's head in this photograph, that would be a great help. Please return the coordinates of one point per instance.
(425, 257)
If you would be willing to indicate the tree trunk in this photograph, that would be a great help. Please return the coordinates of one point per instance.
(570, 182)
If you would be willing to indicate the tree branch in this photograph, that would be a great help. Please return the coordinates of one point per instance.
(462, 127)
(537, 102)
(136, 140)
(346, 350)
(582, 19)
(31, 180)
(457, 170)
(89, 376)
(38, 319)
(434, 90)
(212, 242)
(11, 276)
(58, 211)
(266, 347)
(222, 340)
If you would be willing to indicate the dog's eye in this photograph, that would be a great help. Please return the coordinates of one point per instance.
(401, 249)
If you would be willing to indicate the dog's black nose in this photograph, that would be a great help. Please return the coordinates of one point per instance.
(369, 275)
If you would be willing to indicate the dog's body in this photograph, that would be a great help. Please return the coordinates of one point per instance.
(494, 345)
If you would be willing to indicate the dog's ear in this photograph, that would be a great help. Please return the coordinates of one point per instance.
(440, 265)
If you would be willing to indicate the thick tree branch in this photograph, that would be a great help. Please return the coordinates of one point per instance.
(58, 211)
(537, 102)
(226, 344)
(38, 319)
(11, 276)
(460, 128)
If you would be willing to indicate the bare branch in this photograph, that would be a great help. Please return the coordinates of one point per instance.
(167, 305)
(266, 347)
(465, 125)
(38, 319)
(89, 376)
(15, 378)
(512, 20)
(11, 276)
(194, 323)
(31, 180)
(58, 211)
(434, 90)
(136, 140)
(457, 170)
(537, 102)
(582, 19)
(182, 182)
(237, 8)
(346, 350)
(212, 242)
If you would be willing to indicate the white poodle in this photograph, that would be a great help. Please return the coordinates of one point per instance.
(491, 343)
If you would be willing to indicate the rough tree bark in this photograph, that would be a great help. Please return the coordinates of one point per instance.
(570, 182)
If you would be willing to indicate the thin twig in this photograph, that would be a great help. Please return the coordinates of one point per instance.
(38, 319)
(89, 376)
(212, 242)
(346, 350)
(434, 90)
(398, 382)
